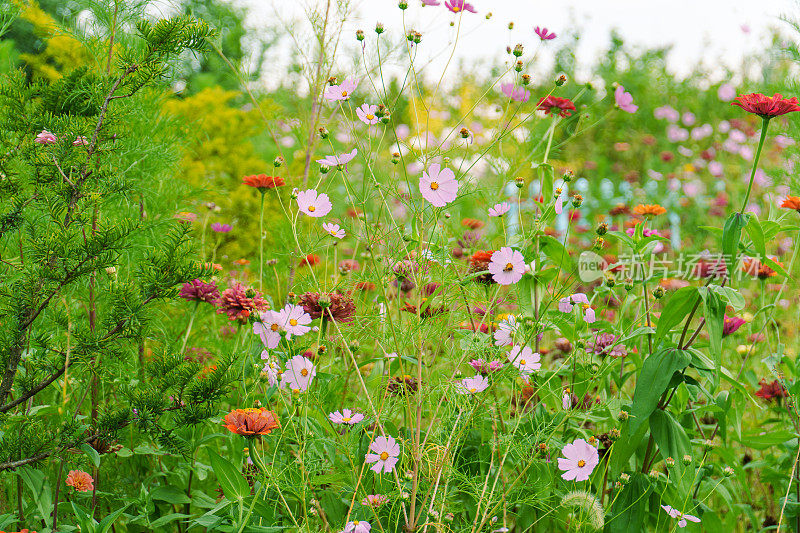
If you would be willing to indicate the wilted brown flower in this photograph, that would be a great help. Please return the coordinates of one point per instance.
(401, 385)
(334, 306)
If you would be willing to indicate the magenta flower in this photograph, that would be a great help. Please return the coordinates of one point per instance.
(581, 458)
(346, 416)
(606, 344)
(333, 230)
(624, 100)
(357, 526)
(342, 91)
(682, 518)
(472, 385)
(313, 204)
(338, 160)
(221, 228)
(525, 359)
(431, 2)
(438, 186)
(731, 324)
(45, 137)
(366, 114)
(385, 453)
(485, 367)
(499, 210)
(299, 373)
(456, 6)
(506, 266)
(544, 34)
(518, 94)
(199, 291)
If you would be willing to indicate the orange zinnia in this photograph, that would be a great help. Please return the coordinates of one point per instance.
(649, 210)
(251, 422)
(262, 182)
(242, 262)
(755, 267)
(472, 223)
(792, 202)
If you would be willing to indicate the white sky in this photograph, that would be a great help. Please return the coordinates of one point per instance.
(707, 30)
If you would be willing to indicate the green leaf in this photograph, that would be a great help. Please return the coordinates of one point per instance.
(730, 295)
(715, 320)
(731, 235)
(169, 494)
(556, 252)
(233, 483)
(671, 439)
(629, 509)
(676, 308)
(756, 234)
(92, 453)
(109, 519)
(656, 374)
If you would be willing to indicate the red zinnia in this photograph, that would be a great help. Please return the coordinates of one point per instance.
(310, 260)
(771, 391)
(767, 107)
(262, 182)
(563, 106)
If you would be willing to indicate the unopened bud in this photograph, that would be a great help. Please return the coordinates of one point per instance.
(658, 292)
(465, 133)
(526, 79)
(561, 80)
(517, 50)
(628, 284)
(323, 132)
(379, 28)
(395, 157)
(602, 229)
(518, 66)
(279, 161)
(360, 35)
(568, 176)
(577, 200)
(519, 181)
(403, 4)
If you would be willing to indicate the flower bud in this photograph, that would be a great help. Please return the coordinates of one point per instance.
(602, 229)
(669, 461)
(518, 66)
(568, 176)
(332, 80)
(517, 50)
(624, 478)
(324, 169)
(728, 471)
(519, 181)
(708, 445)
(654, 474)
(610, 281)
(599, 243)
(291, 298)
(465, 133)
(360, 35)
(403, 4)
(526, 79)
(511, 25)
(417, 37)
(395, 158)
(687, 459)
(623, 416)
(488, 15)
(380, 111)
(279, 161)
(658, 292)
(561, 80)
(628, 284)
(379, 28)
(323, 132)
(386, 118)
(577, 200)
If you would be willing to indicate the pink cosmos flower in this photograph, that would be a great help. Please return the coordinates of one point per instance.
(271, 369)
(543, 34)
(431, 2)
(314, 204)
(518, 94)
(472, 385)
(221, 228)
(682, 518)
(437, 186)
(357, 526)
(385, 453)
(45, 137)
(80, 140)
(504, 336)
(566, 401)
(299, 373)
(366, 114)
(334, 230)
(342, 91)
(499, 210)
(566, 303)
(374, 500)
(346, 416)
(715, 169)
(624, 100)
(485, 367)
(581, 458)
(338, 160)
(507, 266)
(667, 112)
(295, 320)
(525, 359)
(269, 329)
(456, 6)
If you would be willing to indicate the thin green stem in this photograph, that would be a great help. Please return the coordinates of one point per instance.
(764, 126)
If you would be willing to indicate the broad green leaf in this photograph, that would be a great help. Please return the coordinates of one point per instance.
(731, 235)
(556, 252)
(169, 494)
(671, 439)
(656, 374)
(676, 309)
(756, 234)
(629, 509)
(105, 523)
(92, 453)
(715, 320)
(233, 483)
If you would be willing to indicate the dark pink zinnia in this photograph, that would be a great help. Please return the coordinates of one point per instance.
(731, 325)
(199, 291)
(334, 306)
(767, 107)
(239, 302)
(562, 107)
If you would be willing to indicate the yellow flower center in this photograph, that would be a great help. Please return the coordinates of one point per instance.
(344, 94)
(274, 327)
(456, 9)
(473, 390)
(296, 391)
(522, 362)
(370, 116)
(434, 186)
(384, 456)
(293, 322)
(304, 372)
(509, 267)
(346, 419)
(581, 463)
(312, 208)
(356, 522)
(333, 233)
